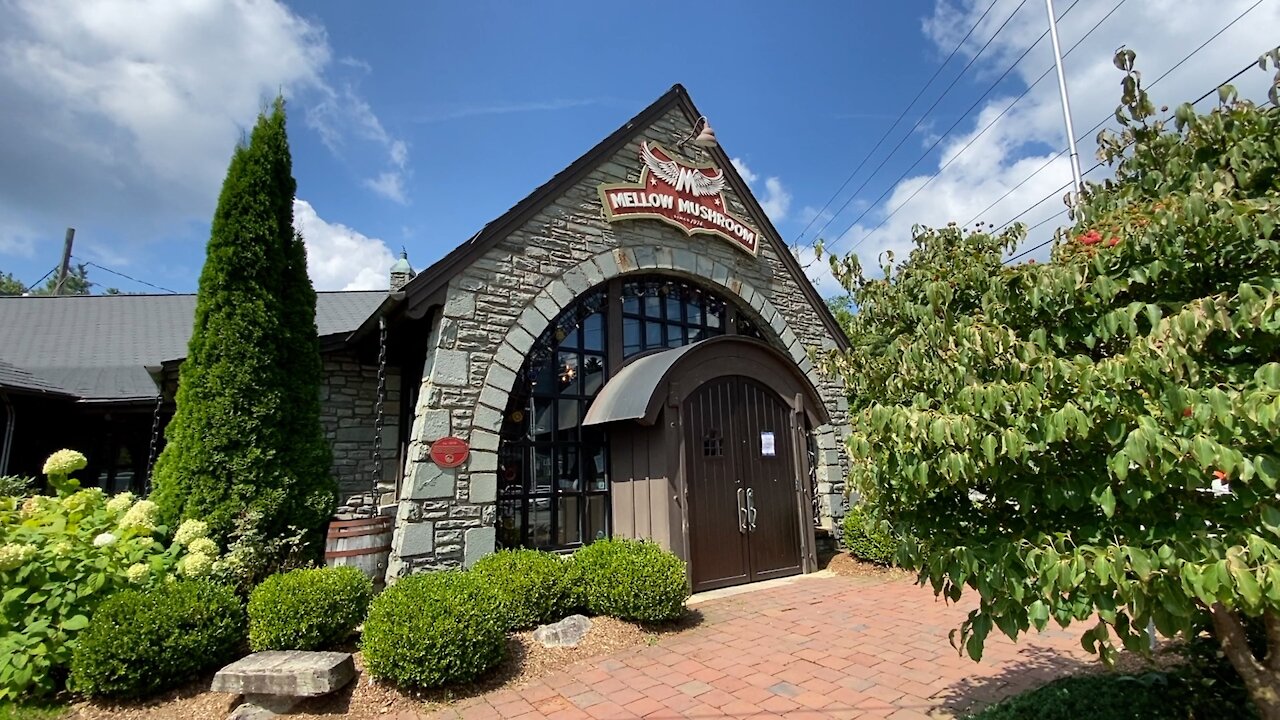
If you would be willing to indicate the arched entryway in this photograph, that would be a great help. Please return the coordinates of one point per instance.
(709, 458)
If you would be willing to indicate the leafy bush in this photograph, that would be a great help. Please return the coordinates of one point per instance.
(1152, 696)
(15, 485)
(872, 546)
(142, 642)
(433, 629)
(60, 557)
(529, 586)
(308, 609)
(630, 580)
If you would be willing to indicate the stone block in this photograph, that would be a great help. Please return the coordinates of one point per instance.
(483, 440)
(478, 543)
(508, 357)
(293, 673)
(566, 633)
(547, 306)
(461, 304)
(500, 376)
(486, 418)
(415, 539)
(433, 425)
(483, 487)
(428, 480)
(451, 368)
(482, 461)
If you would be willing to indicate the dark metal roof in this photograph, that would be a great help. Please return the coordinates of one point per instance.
(14, 378)
(626, 396)
(98, 347)
(423, 288)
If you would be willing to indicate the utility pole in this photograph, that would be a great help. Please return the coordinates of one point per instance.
(1066, 103)
(66, 261)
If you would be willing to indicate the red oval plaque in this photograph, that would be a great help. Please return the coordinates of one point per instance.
(449, 452)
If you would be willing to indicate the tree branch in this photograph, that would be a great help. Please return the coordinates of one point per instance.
(1235, 646)
(1272, 620)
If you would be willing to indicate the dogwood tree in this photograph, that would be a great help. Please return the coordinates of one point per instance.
(1096, 439)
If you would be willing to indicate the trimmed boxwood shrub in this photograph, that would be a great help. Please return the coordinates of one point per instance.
(530, 587)
(433, 629)
(630, 580)
(1153, 696)
(870, 546)
(142, 642)
(308, 609)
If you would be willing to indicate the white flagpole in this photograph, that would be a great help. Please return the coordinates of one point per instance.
(1066, 103)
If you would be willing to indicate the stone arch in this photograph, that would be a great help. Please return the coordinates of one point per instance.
(552, 299)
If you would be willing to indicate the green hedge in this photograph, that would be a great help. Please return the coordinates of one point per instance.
(629, 580)
(310, 609)
(870, 546)
(142, 642)
(1153, 696)
(434, 629)
(529, 586)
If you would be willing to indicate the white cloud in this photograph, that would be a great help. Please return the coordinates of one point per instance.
(775, 200)
(120, 115)
(1162, 32)
(343, 117)
(339, 258)
(389, 185)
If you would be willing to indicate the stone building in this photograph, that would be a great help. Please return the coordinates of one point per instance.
(627, 353)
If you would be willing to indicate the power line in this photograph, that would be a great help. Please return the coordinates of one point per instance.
(984, 130)
(913, 128)
(127, 277)
(33, 285)
(901, 115)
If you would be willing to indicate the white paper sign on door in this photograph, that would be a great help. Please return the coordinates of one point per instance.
(767, 448)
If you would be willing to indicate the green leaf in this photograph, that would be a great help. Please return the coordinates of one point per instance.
(75, 622)
(1107, 501)
(1247, 586)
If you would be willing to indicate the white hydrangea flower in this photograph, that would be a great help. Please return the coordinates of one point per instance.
(137, 573)
(189, 531)
(141, 516)
(65, 462)
(104, 540)
(203, 546)
(121, 502)
(83, 500)
(195, 566)
(15, 555)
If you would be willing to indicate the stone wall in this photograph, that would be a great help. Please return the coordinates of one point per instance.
(347, 411)
(496, 307)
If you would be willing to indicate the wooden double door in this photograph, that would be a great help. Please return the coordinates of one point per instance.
(743, 479)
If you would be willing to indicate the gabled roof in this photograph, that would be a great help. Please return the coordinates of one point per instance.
(424, 287)
(98, 347)
(16, 379)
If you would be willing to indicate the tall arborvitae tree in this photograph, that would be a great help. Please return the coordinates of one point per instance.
(246, 439)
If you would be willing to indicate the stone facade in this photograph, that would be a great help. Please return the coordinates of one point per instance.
(496, 307)
(348, 411)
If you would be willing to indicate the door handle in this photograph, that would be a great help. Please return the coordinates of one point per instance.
(751, 509)
(742, 513)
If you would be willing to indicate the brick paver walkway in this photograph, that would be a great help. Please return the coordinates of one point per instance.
(819, 647)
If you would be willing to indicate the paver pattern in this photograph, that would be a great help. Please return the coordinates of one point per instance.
(820, 647)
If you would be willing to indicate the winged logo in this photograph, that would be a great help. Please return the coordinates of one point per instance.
(684, 179)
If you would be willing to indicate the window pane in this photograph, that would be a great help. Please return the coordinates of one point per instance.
(570, 519)
(652, 335)
(568, 418)
(573, 340)
(567, 373)
(675, 335)
(515, 421)
(693, 311)
(652, 304)
(509, 523)
(715, 316)
(631, 340)
(543, 471)
(592, 374)
(543, 420)
(630, 301)
(511, 470)
(543, 375)
(595, 466)
(567, 469)
(673, 304)
(540, 522)
(593, 332)
(695, 334)
(597, 517)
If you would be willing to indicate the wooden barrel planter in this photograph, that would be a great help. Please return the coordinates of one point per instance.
(364, 543)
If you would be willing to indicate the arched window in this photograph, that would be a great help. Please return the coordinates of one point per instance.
(553, 474)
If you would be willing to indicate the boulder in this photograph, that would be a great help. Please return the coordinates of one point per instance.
(566, 633)
(290, 673)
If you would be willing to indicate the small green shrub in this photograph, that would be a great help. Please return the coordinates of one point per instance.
(529, 586)
(1152, 696)
(142, 642)
(630, 580)
(870, 546)
(309, 609)
(15, 485)
(433, 629)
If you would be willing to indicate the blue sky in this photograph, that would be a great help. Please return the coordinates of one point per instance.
(413, 124)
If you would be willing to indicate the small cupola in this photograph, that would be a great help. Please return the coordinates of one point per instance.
(401, 271)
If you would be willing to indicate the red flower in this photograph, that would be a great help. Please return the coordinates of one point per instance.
(1113, 241)
(1090, 238)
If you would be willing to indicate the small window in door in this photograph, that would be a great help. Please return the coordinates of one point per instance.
(712, 444)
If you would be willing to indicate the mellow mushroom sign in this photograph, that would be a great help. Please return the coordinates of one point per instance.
(690, 197)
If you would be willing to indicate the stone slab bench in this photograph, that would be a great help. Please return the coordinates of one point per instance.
(275, 680)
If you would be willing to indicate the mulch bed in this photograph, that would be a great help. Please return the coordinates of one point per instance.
(846, 565)
(365, 698)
